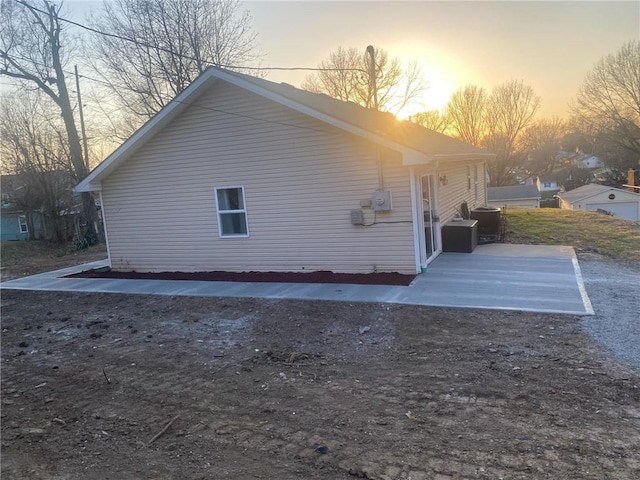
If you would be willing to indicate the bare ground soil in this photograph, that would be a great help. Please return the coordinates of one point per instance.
(298, 389)
(20, 259)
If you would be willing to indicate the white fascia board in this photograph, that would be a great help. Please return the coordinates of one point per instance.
(409, 160)
(446, 158)
(93, 181)
(465, 157)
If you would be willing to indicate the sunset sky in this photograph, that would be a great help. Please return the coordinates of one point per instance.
(549, 45)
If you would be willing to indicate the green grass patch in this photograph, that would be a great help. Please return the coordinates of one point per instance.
(586, 231)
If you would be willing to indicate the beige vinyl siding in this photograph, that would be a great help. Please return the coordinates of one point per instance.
(301, 178)
(456, 191)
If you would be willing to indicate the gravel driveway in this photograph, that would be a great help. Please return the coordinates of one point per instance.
(614, 290)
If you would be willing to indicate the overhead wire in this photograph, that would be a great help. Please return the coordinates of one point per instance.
(187, 57)
(166, 50)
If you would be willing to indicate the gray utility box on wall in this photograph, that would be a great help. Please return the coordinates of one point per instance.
(357, 217)
(381, 200)
(460, 236)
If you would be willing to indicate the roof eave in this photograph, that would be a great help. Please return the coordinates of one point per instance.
(456, 157)
(93, 182)
(410, 156)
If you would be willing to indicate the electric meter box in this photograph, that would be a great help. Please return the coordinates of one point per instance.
(381, 200)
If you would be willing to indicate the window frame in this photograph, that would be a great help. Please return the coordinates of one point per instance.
(21, 224)
(219, 212)
(475, 183)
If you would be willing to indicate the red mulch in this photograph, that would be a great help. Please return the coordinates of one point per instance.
(278, 277)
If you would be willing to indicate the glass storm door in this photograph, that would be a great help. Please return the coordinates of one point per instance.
(431, 220)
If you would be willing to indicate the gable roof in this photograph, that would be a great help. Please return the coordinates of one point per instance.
(417, 144)
(514, 192)
(591, 190)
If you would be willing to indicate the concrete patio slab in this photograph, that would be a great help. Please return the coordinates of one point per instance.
(496, 276)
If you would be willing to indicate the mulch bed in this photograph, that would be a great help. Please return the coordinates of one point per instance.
(277, 277)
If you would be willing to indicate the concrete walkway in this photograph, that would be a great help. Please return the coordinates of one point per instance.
(495, 276)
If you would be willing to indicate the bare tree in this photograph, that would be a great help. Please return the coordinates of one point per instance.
(33, 51)
(510, 110)
(607, 108)
(345, 75)
(433, 120)
(156, 48)
(35, 151)
(466, 110)
(541, 142)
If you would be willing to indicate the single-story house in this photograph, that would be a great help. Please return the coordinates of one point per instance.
(621, 203)
(514, 196)
(238, 173)
(548, 184)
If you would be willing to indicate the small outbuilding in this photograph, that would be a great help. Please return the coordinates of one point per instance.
(514, 196)
(620, 203)
(238, 174)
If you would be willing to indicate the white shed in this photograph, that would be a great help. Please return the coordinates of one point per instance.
(621, 203)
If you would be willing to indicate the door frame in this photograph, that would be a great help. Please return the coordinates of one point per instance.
(435, 219)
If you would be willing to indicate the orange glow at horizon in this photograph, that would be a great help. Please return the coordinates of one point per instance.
(435, 97)
(439, 72)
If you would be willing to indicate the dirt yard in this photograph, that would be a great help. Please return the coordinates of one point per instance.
(305, 390)
(20, 259)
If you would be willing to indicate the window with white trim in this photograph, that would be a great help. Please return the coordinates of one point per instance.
(232, 213)
(22, 221)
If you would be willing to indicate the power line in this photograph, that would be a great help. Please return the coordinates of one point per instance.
(167, 50)
(194, 105)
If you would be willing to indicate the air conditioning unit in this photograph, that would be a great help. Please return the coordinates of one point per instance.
(381, 200)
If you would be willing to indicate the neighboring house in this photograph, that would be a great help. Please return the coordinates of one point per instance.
(578, 159)
(23, 204)
(589, 161)
(514, 196)
(14, 225)
(621, 203)
(547, 184)
(241, 174)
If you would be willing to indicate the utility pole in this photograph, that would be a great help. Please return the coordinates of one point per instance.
(373, 84)
(84, 132)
